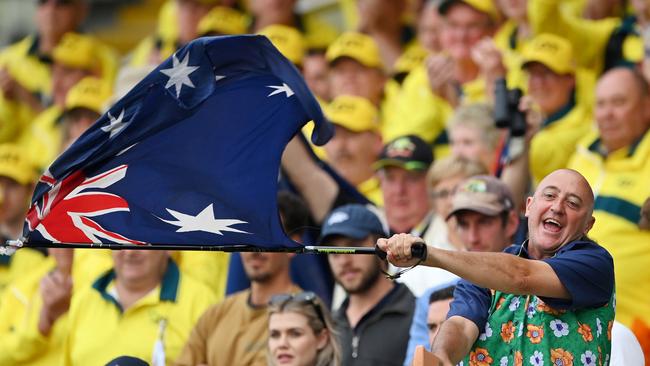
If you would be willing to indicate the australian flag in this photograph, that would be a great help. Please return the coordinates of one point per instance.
(189, 156)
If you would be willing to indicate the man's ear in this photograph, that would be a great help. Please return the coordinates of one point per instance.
(590, 224)
(529, 202)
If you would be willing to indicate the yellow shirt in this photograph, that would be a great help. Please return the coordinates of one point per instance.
(99, 330)
(372, 191)
(21, 304)
(17, 265)
(553, 145)
(621, 183)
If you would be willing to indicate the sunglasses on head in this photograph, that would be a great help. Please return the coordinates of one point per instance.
(306, 297)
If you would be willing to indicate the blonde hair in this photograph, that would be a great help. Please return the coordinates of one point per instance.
(477, 116)
(453, 166)
(318, 320)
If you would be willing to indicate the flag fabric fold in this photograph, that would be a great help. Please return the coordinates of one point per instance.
(190, 155)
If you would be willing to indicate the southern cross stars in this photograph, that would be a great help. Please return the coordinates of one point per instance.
(204, 221)
(179, 74)
(116, 124)
(279, 89)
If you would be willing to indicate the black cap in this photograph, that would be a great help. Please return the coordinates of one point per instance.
(408, 152)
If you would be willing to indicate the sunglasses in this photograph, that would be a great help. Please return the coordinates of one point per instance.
(306, 297)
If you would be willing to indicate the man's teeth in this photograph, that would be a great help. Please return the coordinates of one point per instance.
(551, 221)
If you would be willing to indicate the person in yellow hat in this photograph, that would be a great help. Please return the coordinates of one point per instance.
(287, 40)
(25, 85)
(75, 57)
(356, 67)
(178, 24)
(84, 104)
(17, 177)
(549, 63)
(356, 143)
(318, 33)
(221, 20)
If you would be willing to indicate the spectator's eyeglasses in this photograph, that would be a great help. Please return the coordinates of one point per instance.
(306, 297)
(57, 2)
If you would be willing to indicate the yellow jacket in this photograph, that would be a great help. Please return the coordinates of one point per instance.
(621, 183)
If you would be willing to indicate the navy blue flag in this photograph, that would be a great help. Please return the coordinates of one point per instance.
(190, 156)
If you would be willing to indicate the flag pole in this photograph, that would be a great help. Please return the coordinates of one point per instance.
(309, 249)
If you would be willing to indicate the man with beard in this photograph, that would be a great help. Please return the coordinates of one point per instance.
(235, 331)
(375, 306)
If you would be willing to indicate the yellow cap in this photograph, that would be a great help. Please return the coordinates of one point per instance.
(223, 20)
(551, 51)
(14, 164)
(412, 57)
(77, 51)
(287, 40)
(90, 93)
(357, 114)
(357, 46)
(484, 6)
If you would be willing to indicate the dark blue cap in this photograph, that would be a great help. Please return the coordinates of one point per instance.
(354, 221)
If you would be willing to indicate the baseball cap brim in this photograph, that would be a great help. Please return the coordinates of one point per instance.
(408, 165)
(475, 206)
(347, 231)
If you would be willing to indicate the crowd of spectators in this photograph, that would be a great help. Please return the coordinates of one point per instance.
(447, 114)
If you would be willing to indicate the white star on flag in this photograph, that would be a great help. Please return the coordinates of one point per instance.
(284, 88)
(179, 74)
(116, 124)
(204, 221)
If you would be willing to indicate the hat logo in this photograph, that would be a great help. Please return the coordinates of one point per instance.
(402, 147)
(548, 46)
(476, 186)
(337, 218)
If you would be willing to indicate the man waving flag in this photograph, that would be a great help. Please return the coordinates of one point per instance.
(190, 156)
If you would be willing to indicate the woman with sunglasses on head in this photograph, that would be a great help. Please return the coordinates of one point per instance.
(301, 332)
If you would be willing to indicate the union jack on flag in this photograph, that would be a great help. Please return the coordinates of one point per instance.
(190, 156)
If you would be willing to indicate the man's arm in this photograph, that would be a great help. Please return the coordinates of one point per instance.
(317, 188)
(454, 340)
(498, 271)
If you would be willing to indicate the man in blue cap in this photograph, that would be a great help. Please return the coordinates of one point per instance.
(375, 306)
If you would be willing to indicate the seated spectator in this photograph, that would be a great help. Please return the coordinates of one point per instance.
(439, 301)
(17, 178)
(375, 306)
(356, 143)
(474, 136)
(234, 331)
(615, 159)
(301, 332)
(549, 62)
(84, 104)
(142, 307)
(77, 56)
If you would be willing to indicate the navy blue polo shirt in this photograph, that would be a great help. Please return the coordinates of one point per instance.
(585, 268)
